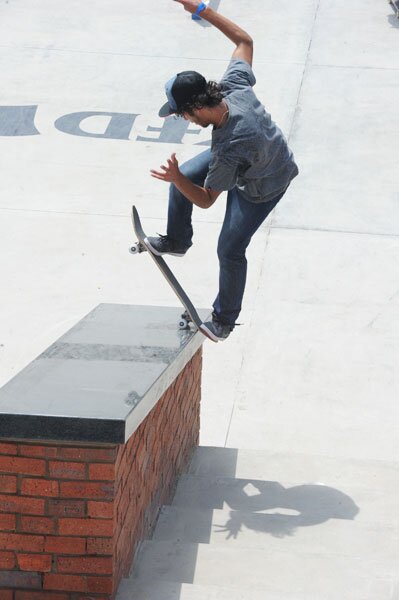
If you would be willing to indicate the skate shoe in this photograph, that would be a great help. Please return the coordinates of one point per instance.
(216, 330)
(165, 245)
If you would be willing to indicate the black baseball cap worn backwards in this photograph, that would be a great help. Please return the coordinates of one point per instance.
(180, 90)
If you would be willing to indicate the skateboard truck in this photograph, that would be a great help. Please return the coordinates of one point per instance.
(137, 248)
(185, 321)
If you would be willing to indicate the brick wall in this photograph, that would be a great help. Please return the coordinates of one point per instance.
(71, 517)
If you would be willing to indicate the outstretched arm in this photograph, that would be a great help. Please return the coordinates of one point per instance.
(239, 37)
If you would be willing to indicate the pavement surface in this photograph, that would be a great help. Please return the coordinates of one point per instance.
(306, 391)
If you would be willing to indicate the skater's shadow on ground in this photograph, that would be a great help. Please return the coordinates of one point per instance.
(268, 507)
(263, 506)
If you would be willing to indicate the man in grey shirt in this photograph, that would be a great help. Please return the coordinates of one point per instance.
(249, 158)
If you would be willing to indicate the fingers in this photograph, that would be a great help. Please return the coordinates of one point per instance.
(157, 174)
(172, 162)
(167, 173)
(162, 176)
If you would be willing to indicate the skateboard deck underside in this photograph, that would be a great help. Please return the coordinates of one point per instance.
(166, 272)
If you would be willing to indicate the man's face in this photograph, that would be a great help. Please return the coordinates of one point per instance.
(197, 117)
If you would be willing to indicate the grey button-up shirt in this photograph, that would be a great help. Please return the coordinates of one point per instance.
(249, 151)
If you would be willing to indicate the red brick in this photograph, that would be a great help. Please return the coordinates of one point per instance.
(21, 595)
(16, 464)
(20, 579)
(100, 585)
(88, 454)
(102, 510)
(86, 527)
(37, 525)
(65, 545)
(8, 484)
(15, 541)
(71, 489)
(34, 562)
(67, 470)
(39, 487)
(120, 455)
(66, 508)
(37, 451)
(82, 564)
(70, 583)
(27, 506)
(7, 522)
(100, 545)
(8, 448)
(7, 561)
(102, 472)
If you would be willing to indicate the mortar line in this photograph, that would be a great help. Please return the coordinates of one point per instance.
(93, 214)
(138, 55)
(236, 394)
(268, 227)
(199, 58)
(336, 231)
(268, 231)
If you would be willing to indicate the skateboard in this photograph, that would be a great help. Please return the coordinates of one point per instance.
(395, 6)
(190, 315)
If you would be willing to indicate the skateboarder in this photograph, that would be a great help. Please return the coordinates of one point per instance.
(249, 158)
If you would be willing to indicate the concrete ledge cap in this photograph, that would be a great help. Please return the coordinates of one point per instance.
(99, 381)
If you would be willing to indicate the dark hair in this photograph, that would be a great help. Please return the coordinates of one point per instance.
(212, 96)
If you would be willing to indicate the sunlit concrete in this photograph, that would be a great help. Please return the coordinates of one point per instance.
(305, 390)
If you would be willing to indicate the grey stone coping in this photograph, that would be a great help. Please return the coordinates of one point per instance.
(99, 381)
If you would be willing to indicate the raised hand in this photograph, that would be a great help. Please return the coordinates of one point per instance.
(170, 173)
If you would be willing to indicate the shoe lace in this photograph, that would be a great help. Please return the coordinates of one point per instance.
(219, 323)
(164, 239)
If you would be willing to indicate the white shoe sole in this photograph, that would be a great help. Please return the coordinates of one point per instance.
(154, 251)
(211, 335)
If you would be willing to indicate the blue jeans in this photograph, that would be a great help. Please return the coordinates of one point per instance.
(241, 220)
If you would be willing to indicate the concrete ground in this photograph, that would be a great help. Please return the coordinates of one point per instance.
(305, 392)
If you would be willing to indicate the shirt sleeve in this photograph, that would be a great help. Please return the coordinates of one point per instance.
(222, 175)
(239, 74)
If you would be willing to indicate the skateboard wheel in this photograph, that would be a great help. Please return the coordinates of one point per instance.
(135, 249)
(183, 324)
